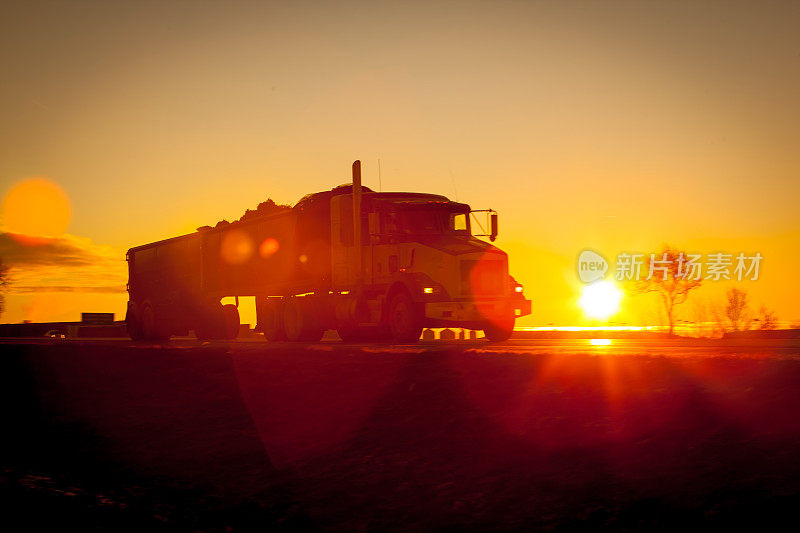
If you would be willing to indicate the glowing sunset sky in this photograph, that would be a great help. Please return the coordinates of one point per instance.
(615, 126)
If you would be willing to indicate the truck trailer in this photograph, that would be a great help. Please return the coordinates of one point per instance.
(371, 265)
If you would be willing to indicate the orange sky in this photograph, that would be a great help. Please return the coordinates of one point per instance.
(615, 126)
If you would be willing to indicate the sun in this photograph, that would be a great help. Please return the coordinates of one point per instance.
(600, 299)
(36, 207)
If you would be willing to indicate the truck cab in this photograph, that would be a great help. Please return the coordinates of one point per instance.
(421, 266)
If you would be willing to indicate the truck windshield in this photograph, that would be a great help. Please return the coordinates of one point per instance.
(426, 222)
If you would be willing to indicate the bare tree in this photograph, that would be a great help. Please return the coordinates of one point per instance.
(718, 316)
(700, 315)
(766, 318)
(670, 275)
(737, 309)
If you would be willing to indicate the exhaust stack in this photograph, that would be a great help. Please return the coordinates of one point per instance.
(357, 222)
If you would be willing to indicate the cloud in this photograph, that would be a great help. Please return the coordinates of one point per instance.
(67, 250)
(63, 264)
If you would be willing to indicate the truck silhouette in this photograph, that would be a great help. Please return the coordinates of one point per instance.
(371, 265)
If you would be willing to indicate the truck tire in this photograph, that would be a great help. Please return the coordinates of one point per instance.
(232, 321)
(298, 323)
(500, 331)
(272, 320)
(133, 323)
(405, 323)
(152, 328)
(211, 325)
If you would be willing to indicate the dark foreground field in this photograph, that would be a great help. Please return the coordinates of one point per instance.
(239, 437)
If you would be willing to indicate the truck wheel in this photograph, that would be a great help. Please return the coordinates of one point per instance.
(211, 324)
(152, 329)
(232, 321)
(353, 334)
(272, 320)
(404, 320)
(499, 332)
(299, 324)
(132, 322)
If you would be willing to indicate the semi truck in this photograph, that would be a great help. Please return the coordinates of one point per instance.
(370, 265)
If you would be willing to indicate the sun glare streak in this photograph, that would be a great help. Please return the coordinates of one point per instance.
(600, 342)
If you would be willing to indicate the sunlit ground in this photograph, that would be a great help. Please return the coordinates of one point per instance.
(588, 328)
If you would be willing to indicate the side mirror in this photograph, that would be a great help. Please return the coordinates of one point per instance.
(493, 224)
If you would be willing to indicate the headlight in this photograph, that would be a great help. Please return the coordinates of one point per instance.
(433, 289)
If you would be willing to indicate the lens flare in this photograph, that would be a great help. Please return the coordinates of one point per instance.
(237, 247)
(600, 299)
(268, 247)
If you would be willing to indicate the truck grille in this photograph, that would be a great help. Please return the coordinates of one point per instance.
(482, 277)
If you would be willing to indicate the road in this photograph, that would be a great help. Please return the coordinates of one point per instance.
(678, 347)
(530, 434)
